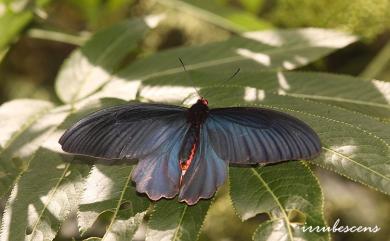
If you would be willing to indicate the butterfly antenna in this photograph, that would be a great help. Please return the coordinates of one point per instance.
(233, 75)
(189, 77)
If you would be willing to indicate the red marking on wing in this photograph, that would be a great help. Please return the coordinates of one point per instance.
(184, 165)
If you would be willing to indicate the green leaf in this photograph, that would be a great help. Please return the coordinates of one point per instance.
(25, 125)
(378, 64)
(354, 145)
(275, 49)
(368, 97)
(175, 221)
(14, 17)
(279, 190)
(107, 188)
(42, 198)
(88, 68)
(11, 25)
(228, 18)
(123, 228)
(16, 114)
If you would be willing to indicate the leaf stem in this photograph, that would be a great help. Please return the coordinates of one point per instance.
(77, 40)
(378, 64)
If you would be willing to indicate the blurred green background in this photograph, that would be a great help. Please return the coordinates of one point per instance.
(37, 36)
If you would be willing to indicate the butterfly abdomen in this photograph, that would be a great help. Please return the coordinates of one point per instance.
(188, 149)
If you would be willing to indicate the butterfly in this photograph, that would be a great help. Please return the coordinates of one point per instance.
(186, 151)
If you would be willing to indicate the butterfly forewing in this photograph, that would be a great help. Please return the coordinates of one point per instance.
(126, 131)
(247, 135)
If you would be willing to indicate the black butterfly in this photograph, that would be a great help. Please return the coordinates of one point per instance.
(186, 151)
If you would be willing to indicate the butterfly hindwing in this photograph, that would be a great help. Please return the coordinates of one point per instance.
(246, 135)
(206, 173)
(158, 173)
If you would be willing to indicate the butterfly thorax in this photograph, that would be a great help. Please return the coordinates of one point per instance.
(198, 112)
(197, 115)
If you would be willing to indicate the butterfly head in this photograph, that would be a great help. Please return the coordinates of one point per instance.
(203, 101)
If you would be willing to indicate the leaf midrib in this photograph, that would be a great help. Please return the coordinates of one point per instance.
(285, 217)
(175, 235)
(355, 162)
(30, 121)
(125, 186)
(49, 199)
(230, 59)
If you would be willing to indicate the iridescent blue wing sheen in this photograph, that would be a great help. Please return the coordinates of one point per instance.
(125, 131)
(151, 133)
(246, 135)
(158, 173)
(206, 173)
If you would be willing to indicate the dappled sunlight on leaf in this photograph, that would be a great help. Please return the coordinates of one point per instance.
(17, 114)
(315, 37)
(153, 20)
(90, 67)
(283, 83)
(119, 88)
(252, 94)
(43, 198)
(383, 88)
(224, 54)
(176, 221)
(98, 187)
(165, 93)
(263, 59)
(106, 189)
(28, 127)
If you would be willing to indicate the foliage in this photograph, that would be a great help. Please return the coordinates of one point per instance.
(44, 187)
(366, 18)
(14, 16)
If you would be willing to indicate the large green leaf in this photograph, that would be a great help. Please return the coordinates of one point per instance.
(173, 221)
(42, 198)
(107, 188)
(25, 125)
(368, 97)
(289, 193)
(91, 66)
(276, 49)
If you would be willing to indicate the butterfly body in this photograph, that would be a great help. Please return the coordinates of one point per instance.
(196, 116)
(186, 151)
